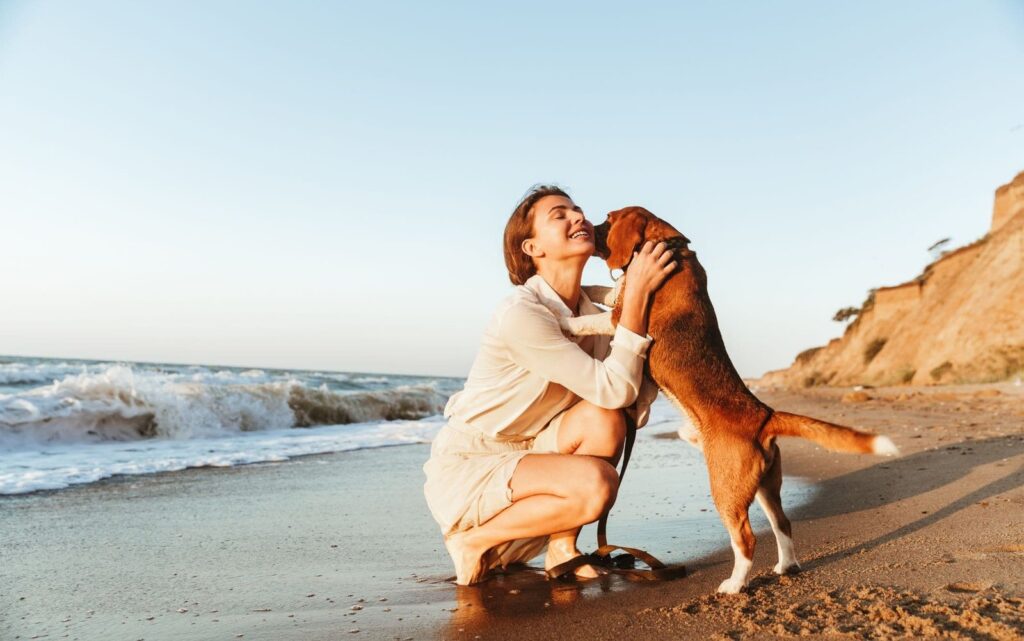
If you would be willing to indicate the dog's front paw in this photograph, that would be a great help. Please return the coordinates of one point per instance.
(730, 586)
(791, 568)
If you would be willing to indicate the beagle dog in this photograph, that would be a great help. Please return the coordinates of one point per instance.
(687, 359)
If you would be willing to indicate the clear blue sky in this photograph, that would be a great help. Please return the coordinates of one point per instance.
(324, 185)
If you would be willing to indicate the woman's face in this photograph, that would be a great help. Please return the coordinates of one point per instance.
(560, 230)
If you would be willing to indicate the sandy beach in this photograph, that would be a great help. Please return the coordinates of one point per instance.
(257, 255)
(929, 545)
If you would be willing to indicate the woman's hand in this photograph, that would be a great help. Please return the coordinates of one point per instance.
(649, 269)
(646, 272)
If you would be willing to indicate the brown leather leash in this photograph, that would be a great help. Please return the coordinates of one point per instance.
(624, 564)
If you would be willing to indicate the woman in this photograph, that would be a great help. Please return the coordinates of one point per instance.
(528, 454)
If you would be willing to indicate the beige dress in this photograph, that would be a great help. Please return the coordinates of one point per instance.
(525, 376)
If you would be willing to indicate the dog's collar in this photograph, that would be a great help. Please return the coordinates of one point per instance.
(674, 243)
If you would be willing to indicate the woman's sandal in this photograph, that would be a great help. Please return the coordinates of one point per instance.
(566, 570)
(623, 564)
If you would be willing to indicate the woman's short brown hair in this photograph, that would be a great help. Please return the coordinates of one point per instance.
(520, 227)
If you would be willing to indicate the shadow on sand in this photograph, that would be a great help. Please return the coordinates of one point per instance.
(895, 480)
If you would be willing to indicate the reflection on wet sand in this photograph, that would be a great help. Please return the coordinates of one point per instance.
(520, 590)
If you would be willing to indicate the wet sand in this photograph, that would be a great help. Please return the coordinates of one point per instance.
(341, 545)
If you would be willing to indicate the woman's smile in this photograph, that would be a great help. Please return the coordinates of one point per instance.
(583, 234)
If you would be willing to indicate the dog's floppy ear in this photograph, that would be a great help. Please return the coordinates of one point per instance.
(625, 235)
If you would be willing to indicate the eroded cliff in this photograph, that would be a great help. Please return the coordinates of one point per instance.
(960, 321)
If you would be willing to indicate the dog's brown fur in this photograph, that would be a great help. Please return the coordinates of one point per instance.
(735, 429)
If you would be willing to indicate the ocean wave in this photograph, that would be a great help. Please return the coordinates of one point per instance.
(15, 373)
(323, 407)
(119, 403)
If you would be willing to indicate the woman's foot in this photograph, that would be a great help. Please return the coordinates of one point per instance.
(560, 552)
(468, 556)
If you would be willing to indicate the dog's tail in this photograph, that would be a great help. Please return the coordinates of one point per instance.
(829, 435)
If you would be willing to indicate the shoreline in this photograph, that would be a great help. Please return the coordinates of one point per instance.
(889, 547)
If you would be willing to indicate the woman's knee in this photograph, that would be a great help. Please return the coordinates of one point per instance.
(615, 424)
(601, 430)
(598, 488)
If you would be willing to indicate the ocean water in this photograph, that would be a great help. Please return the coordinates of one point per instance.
(67, 422)
(64, 422)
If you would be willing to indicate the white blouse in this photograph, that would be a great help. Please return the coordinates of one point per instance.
(527, 370)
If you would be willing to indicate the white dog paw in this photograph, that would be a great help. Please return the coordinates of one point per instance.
(730, 586)
(791, 568)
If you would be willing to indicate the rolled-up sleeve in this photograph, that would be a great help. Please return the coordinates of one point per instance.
(535, 341)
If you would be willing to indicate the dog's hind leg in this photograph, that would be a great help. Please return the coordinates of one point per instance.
(769, 497)
(735, 470)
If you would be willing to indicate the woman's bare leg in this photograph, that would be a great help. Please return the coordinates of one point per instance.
(551, 492)
(594, 431)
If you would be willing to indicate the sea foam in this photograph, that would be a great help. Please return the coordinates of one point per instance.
(62, 465)
(69, 422)
(120, 403)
